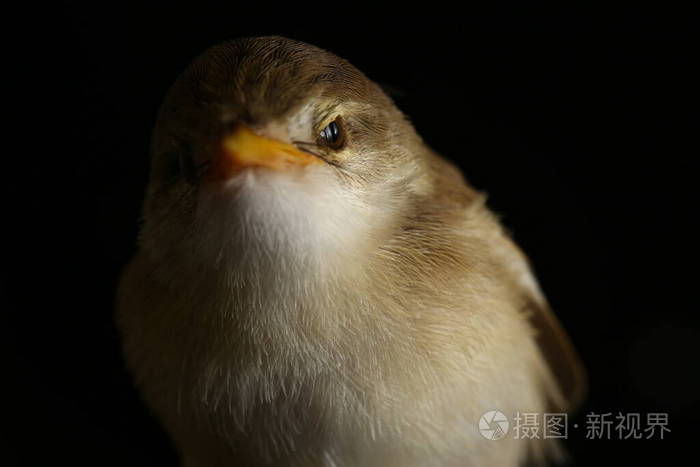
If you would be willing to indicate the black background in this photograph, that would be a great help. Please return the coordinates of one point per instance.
(580, 125)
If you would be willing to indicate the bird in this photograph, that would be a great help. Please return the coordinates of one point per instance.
(313, 285)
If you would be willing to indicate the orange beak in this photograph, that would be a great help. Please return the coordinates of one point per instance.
(242, 149)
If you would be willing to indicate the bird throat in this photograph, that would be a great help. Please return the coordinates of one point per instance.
(299, 223)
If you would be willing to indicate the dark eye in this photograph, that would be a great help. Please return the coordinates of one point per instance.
(181, 163)
(333, 135)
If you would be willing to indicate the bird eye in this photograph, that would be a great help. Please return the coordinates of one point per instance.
(181, 164)
(333, 135)
(186, 166)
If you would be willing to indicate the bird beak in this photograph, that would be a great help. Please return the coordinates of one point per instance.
(242, 149)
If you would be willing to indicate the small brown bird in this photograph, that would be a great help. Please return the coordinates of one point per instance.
(315, 286)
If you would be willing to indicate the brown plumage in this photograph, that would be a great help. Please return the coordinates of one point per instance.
(363, 310)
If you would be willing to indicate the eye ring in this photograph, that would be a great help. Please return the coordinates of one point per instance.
(333, 135)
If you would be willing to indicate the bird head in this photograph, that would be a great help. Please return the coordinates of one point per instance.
(273, 145)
